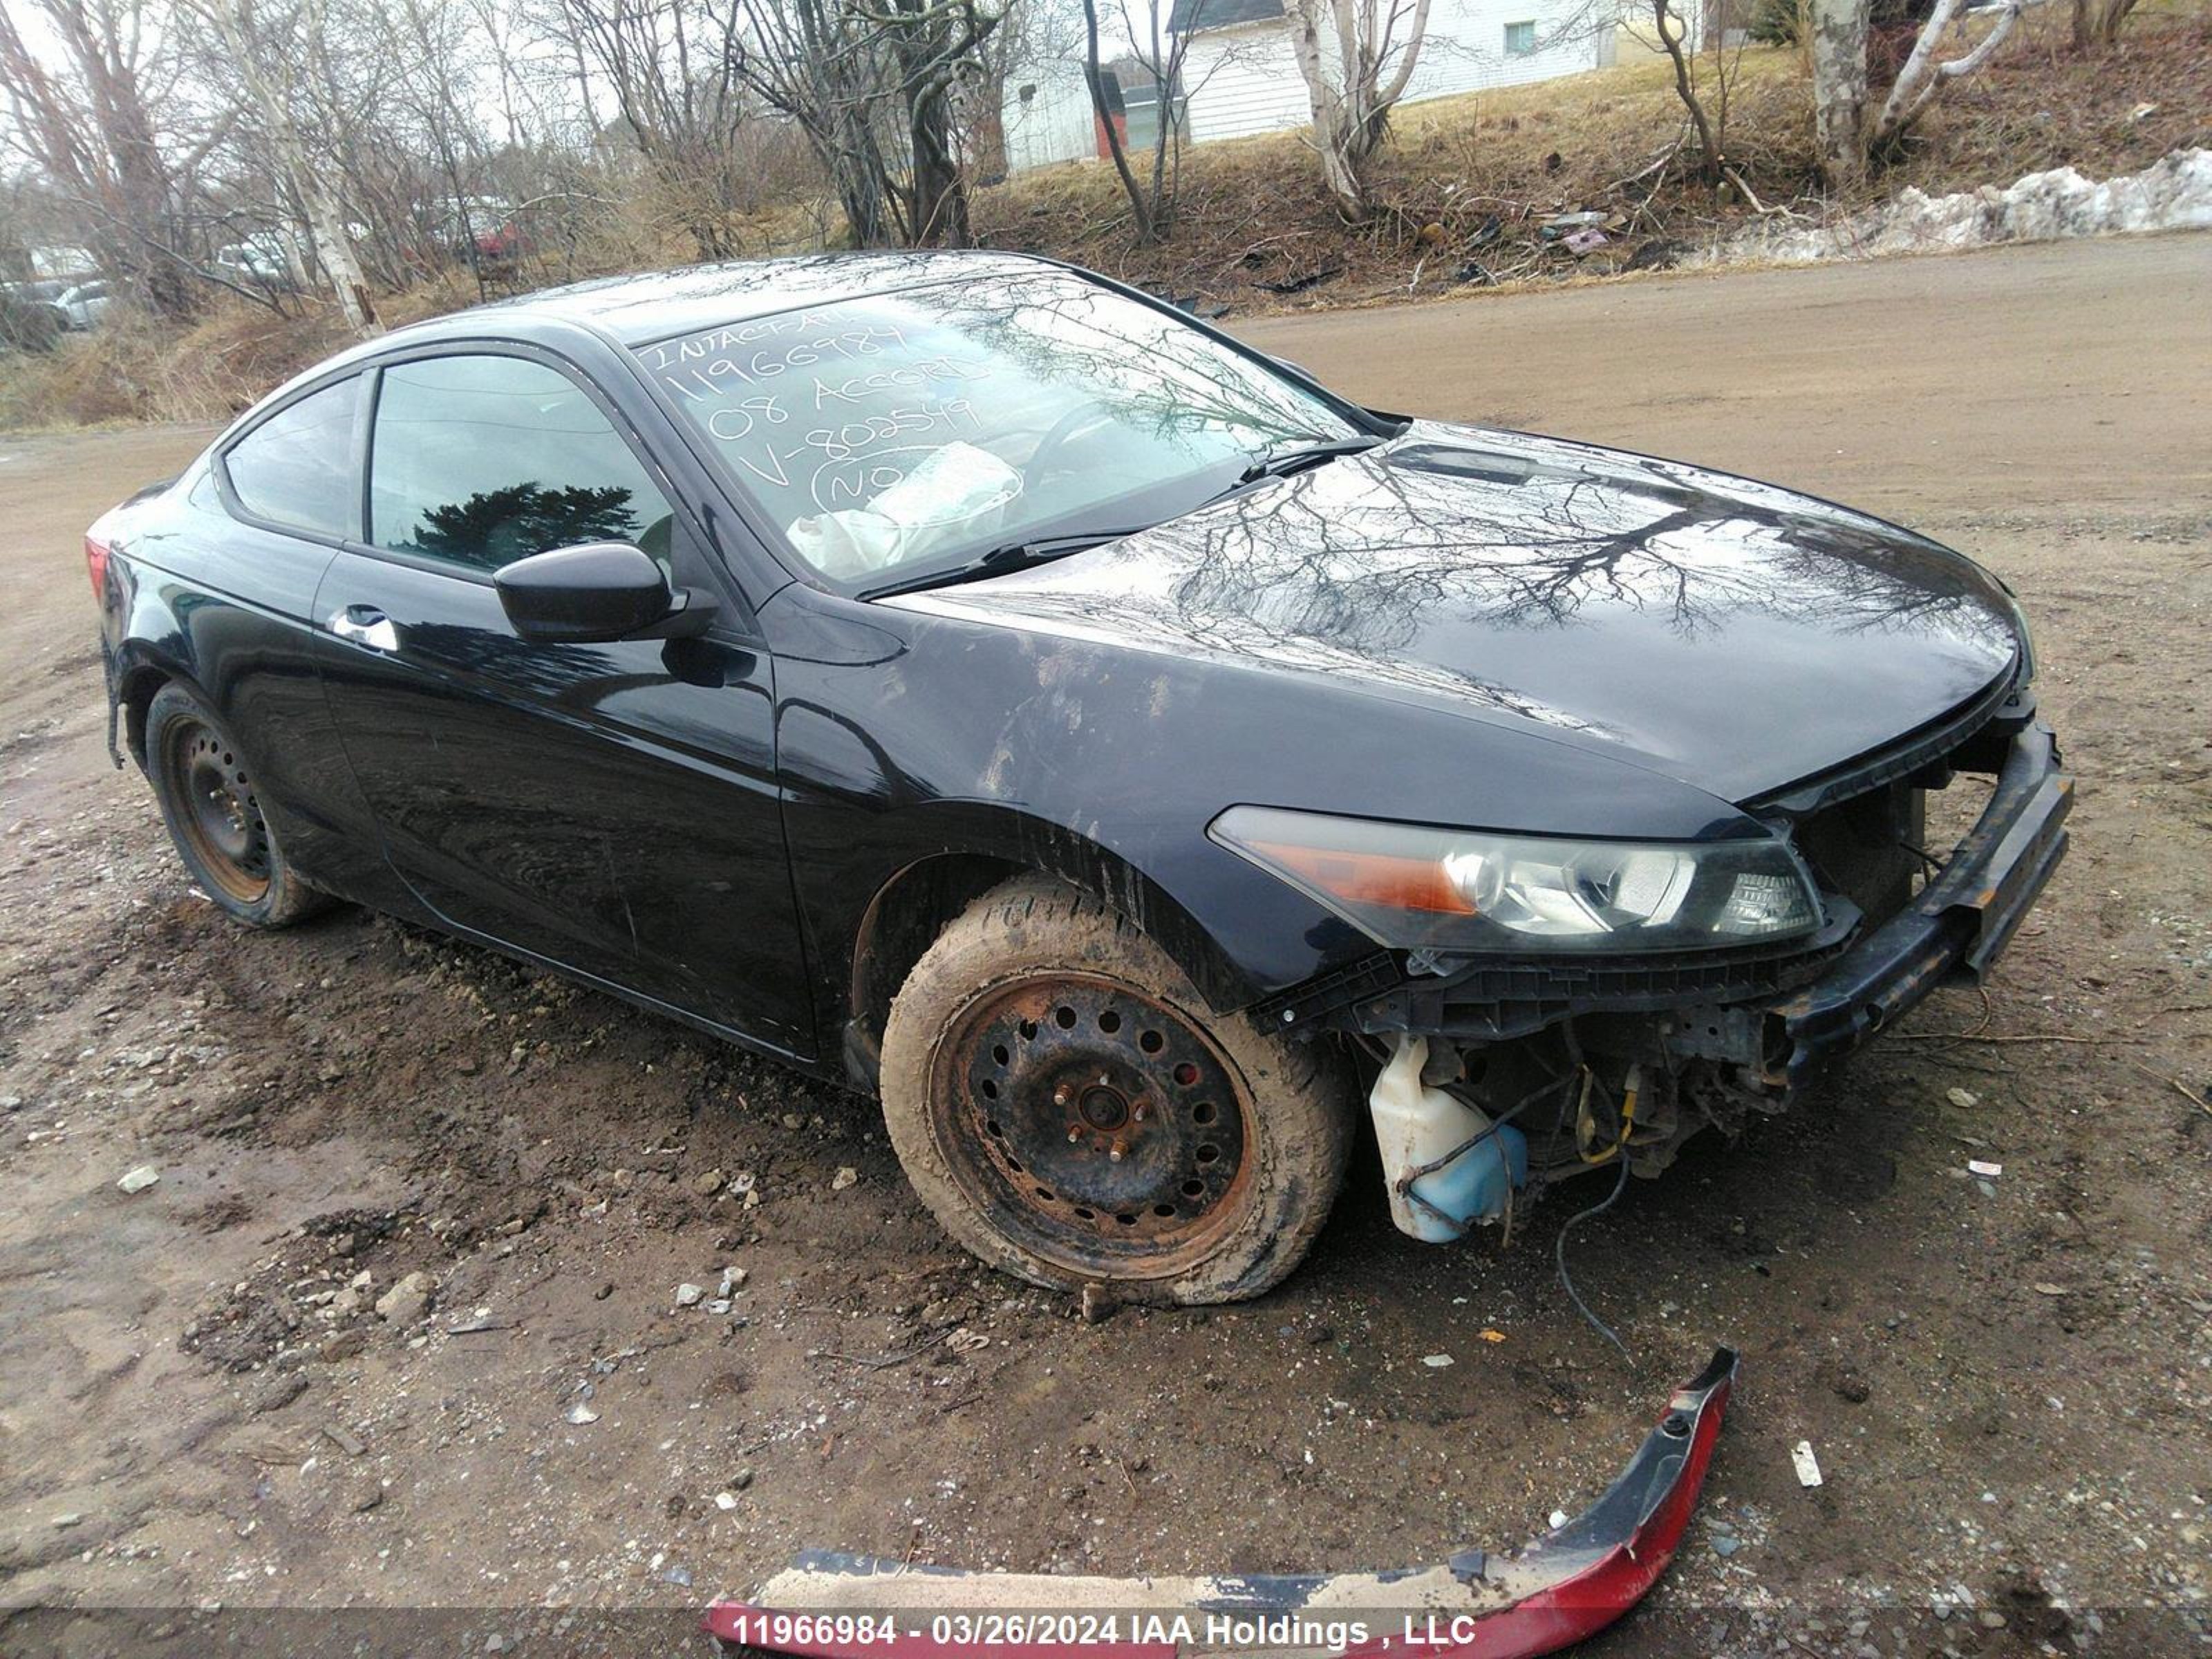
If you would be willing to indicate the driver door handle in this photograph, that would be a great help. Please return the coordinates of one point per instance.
(364, 624)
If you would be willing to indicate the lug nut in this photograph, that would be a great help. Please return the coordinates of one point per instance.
(1115, 1152)
(1075, 1135)
(1137, 1112)
(1059, 1095)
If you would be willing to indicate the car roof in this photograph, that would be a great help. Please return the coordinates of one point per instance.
(656, 305)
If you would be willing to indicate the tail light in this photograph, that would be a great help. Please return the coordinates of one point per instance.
(95, 562)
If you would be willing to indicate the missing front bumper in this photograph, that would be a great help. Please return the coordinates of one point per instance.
(1778, 1015)
(1956, 928)
(1549, 1593)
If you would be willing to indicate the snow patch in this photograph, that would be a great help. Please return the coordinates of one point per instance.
(2173, 193)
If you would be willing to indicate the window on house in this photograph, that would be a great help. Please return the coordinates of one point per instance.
(1144, 106)
(1520, 39)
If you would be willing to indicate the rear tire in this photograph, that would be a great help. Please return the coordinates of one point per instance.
(206, 793)
(1072, 1113)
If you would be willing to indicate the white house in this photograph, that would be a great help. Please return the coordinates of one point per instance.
(1240, 71)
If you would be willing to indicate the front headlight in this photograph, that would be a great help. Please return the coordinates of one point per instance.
(1412, 888)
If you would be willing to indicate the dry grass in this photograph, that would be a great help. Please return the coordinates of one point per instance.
(1468, 182)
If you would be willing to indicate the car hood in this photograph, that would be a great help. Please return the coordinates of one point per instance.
(1736, 636)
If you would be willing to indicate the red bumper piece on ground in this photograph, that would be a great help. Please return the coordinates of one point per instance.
(1549, 1593)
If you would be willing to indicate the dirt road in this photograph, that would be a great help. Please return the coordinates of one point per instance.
(2009, 1380)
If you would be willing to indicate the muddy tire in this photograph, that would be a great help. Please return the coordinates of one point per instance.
(1065, 1105)
(206, 794)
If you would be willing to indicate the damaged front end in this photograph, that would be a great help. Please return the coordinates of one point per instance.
(1497, 1072)
(1549, 1593)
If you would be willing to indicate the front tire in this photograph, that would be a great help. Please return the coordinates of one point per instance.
(208, 801)
(1070, 1112)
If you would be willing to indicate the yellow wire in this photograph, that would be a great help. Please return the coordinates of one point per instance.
(1627, 1116)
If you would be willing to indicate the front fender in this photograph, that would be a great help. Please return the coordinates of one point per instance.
(903, 735)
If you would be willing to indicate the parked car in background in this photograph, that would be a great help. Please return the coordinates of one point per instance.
(259, 261)
(30, 318)
(82, 306)
(969, 678)
(486, 226)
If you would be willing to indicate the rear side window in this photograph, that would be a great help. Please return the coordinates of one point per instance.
(478, 461)
(296, 468)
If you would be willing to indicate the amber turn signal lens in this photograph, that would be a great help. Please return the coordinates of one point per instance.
(1400, 884)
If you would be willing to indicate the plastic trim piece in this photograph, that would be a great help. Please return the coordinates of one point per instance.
(1550, 1593)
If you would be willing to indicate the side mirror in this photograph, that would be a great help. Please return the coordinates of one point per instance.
(595, 592)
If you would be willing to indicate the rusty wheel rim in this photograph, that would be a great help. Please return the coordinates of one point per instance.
(1097, 1127)
(220, 819)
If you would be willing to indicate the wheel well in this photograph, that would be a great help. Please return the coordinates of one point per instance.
(140, 688)
(903, 920)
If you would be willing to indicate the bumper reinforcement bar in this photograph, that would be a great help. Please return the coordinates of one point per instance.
(1956, 927)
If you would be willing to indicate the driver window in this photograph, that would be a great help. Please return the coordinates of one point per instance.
(479, 461)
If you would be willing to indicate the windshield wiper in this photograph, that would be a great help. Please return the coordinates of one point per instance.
(1280, 461)
(1014, 555)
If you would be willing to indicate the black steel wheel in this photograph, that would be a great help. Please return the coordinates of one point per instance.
(1065, 1103)
(209, 801)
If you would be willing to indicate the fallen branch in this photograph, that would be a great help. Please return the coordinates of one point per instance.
(1637, 177)
(874, 1361)
(1752, 196)
(2178, 1087)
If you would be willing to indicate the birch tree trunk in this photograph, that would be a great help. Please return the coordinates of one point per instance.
(1839, 89)
(1350, 100)
(334, 246)
(310, 177)
(1925, 76)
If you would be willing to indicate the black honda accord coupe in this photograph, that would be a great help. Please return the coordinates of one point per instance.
(966, 678)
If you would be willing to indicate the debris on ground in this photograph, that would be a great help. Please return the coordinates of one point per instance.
(407, 1301)
(1807, 1465)
(138, 1180)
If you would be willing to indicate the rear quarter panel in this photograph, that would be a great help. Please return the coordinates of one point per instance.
(227, 609)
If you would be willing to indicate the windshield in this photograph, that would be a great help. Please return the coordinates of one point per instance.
(898, 435)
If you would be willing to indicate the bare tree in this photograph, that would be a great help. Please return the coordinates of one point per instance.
(1671, 32)
(1103, 109)
(1925, 73)
(933, 41)
(1356, 57)
(2097, 22)
(89, 126)
(1839, 45)
(1845, 134)
(863, 84)
(279, 59)
(1161, 52)
(675, 69)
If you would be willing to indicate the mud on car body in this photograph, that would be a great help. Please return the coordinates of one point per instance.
(962, 677)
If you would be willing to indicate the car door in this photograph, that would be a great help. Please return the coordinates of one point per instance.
(610, 808)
